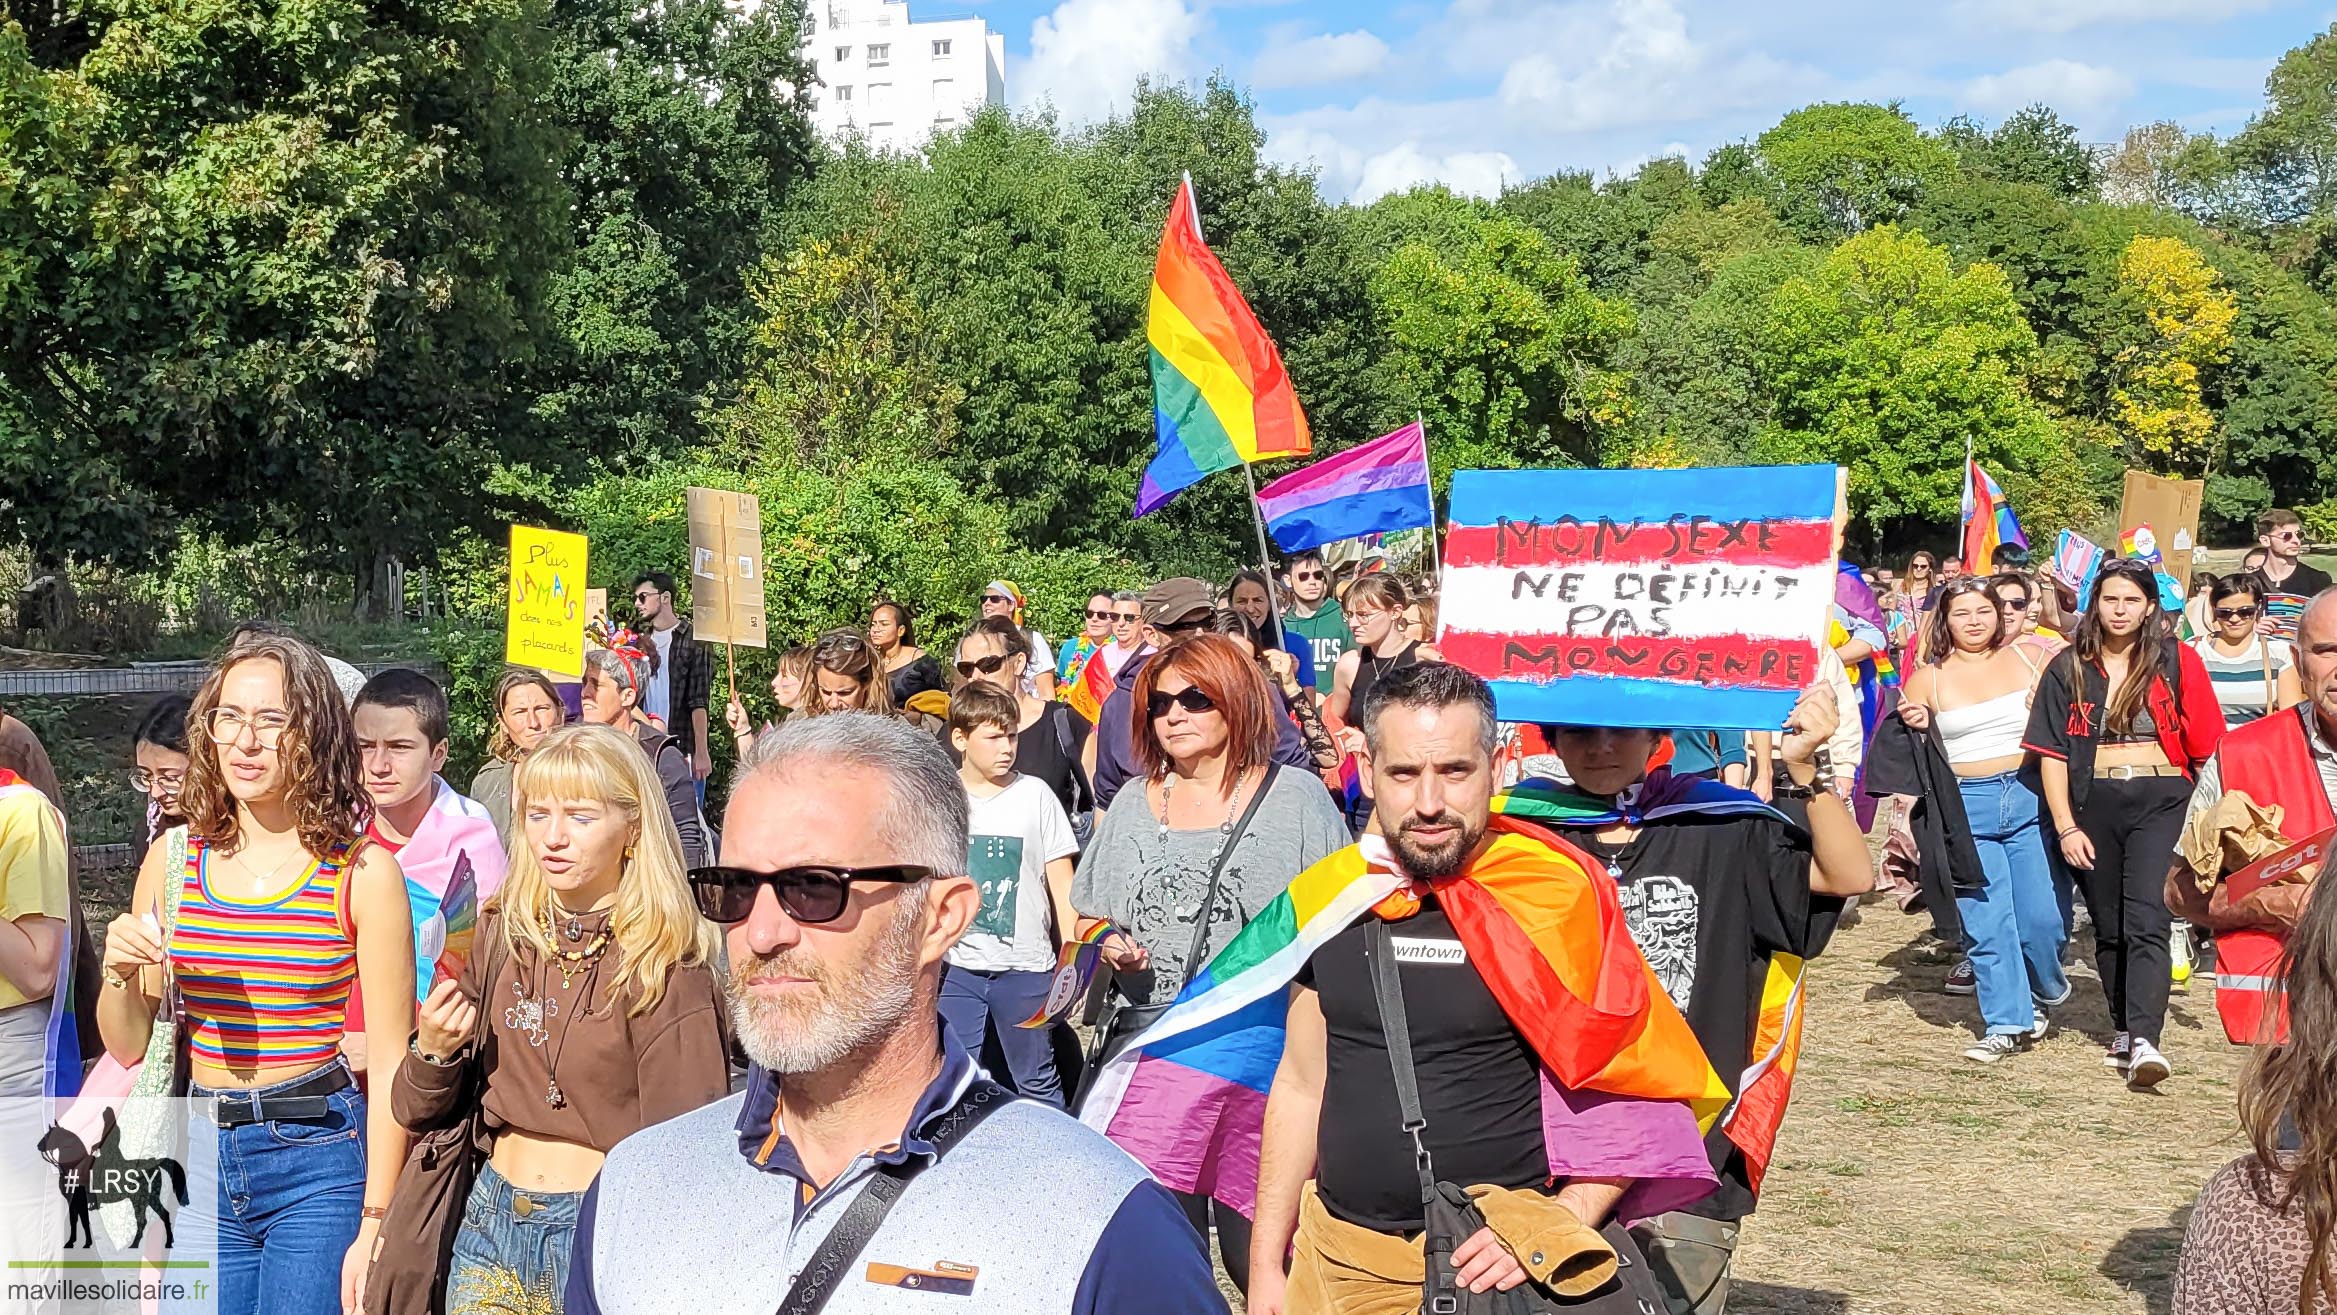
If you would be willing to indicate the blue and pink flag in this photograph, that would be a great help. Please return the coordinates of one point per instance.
(1656, 598)
(1373, 488)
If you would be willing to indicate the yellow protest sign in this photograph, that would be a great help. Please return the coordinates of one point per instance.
(726, 567)
(545, 627)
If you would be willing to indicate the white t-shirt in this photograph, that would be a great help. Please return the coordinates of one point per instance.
(1015, 834)
(658, 698)
(1042, 659)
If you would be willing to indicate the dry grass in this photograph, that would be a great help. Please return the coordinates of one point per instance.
(1911, 1181)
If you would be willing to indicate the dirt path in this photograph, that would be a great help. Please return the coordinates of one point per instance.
(1911, 1181)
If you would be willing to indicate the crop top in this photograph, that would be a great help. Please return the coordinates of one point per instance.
(265, 985)
(1988, 729)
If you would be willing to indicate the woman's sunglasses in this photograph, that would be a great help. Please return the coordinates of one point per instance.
(987, 666)
(809, 894)
(1191, 699)
(2235, 613)
(1094, 615)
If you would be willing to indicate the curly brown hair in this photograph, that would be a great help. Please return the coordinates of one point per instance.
(319, 752)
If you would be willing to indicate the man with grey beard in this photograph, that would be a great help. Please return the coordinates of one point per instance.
(868, 1156)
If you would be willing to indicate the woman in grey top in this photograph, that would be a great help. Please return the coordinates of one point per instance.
(1203, 734)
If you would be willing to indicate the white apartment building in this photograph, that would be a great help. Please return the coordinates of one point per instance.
(895, 81)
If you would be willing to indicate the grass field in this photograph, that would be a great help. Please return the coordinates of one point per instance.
(1911, 1181)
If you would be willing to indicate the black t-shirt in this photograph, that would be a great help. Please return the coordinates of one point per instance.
(1480, 1083)
(1709, 900)
(2305, 581)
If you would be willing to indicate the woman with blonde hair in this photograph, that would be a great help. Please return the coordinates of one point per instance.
(790, 686)
(588, 1011)
(259, 916)
(527, 708)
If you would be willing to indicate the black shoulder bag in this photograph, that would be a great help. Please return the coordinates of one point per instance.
(1123, 1020)
(1452, 1218)
(852, 1233)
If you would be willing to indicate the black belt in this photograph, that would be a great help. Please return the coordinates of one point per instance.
(302, 1098)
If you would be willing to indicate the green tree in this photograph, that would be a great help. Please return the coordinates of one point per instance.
(1844, 168)
(1887, 360)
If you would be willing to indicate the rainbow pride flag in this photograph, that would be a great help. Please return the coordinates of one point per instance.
(1220, 396)
(1988, 520)
(1086, 693)
(1627, 1091)
(1754, 1117)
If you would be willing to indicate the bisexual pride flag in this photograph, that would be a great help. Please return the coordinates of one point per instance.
(1373, 488)
(1651, 598)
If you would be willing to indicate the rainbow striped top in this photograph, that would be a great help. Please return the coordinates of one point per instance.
(264, 984)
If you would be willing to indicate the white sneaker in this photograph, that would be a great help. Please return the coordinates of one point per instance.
(1997, 1046)
(2146, 1067)
(2040, 1029)
(2119, 1045)
(2179, 951)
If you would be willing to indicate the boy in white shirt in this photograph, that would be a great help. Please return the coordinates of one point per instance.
(1020, 856)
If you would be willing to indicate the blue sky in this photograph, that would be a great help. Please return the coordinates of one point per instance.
(1382, 94)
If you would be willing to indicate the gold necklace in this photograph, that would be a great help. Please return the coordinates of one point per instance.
(575, 963)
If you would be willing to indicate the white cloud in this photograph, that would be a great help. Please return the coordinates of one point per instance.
(1636, 64)
(1312, 61)
(2071, 15)
(2086, 94)
(1470, 173)
(1087, 55)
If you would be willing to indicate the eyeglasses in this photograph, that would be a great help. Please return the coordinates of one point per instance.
(2235, 613)
(228, 726)
(987, 666)
(1187, 626)
(1191, 699)
(811, 894)
(144, 780)
(1094, 615)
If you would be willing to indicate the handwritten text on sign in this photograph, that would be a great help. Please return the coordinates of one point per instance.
(545, 628)
(1693, 598)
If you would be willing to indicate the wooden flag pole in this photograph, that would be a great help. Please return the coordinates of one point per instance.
(1435, 554)
(730, 660)
(1265, 557)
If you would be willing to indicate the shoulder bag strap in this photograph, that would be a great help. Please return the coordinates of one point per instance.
(852, 1233)
(1233, 839)
(1379, 951)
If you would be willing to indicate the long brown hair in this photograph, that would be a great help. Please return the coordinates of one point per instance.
(1220, 669)
(1938, 639)
(499, 740)
(2126, 702)
(848, 653)
(318, 754)
(2295, 1082)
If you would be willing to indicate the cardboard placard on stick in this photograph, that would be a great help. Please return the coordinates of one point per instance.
(2170, 507)
(545, 626)
(726, 567)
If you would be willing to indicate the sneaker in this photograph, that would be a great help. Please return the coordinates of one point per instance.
(2146, 1067)
(2041, 1028)
(2179, 949)
(2119, 1046)
(1961, 980)
(1997, 1046)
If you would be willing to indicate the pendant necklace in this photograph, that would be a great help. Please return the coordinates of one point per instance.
(531, 1015)
(1224, 828)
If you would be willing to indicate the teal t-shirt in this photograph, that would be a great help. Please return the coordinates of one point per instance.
(1327, 633)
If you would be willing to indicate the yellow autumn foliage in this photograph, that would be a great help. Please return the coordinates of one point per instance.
(2186, 317)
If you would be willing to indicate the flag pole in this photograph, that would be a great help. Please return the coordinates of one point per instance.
(1435, 554)
(1265, 557)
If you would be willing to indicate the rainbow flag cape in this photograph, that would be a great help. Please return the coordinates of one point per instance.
(1220, 396)
(1988, 520)
(1626, 1088)
(1086, 694)
(1765, 1086)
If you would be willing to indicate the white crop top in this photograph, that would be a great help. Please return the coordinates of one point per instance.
(1990, 729)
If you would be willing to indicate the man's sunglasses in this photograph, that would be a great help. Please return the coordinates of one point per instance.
(1191, 699)
(1127, 616)
(1189, 625)
(809, 894)
(1306, 576)
(987, 666)
(2235, 614)
(1094, 615)
(2016, 603)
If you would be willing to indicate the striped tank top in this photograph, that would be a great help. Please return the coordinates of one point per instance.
(264, 984)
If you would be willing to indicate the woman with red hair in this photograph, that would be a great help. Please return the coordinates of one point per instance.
(1217, 831)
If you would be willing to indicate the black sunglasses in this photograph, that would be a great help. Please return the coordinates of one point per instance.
(987, 666)
(1094, 615)
(2235, 614)
(1191, 699)
(1188, 627)
(809, 894)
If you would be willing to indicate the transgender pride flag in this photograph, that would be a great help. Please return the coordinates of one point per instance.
(1377, 487)
(1654, 598)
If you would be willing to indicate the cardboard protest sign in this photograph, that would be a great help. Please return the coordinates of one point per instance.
(2301, 860)
(2170, 507)
(726, 567)
(1641, 597)
(545, 625)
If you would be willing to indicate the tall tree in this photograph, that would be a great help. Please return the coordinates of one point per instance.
(1845, 168)
(2181, 327)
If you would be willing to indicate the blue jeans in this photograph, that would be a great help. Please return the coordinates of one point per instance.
(290, 1194)
(976, 1004)
(2013, 924)
(512, 1251)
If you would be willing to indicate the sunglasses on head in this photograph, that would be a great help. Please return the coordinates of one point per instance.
(2235, 613)
(810, 894)
(1191, 699)
(987, 666)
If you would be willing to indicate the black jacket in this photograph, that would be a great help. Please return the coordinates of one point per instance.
(681, 791)
(1903, 760)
